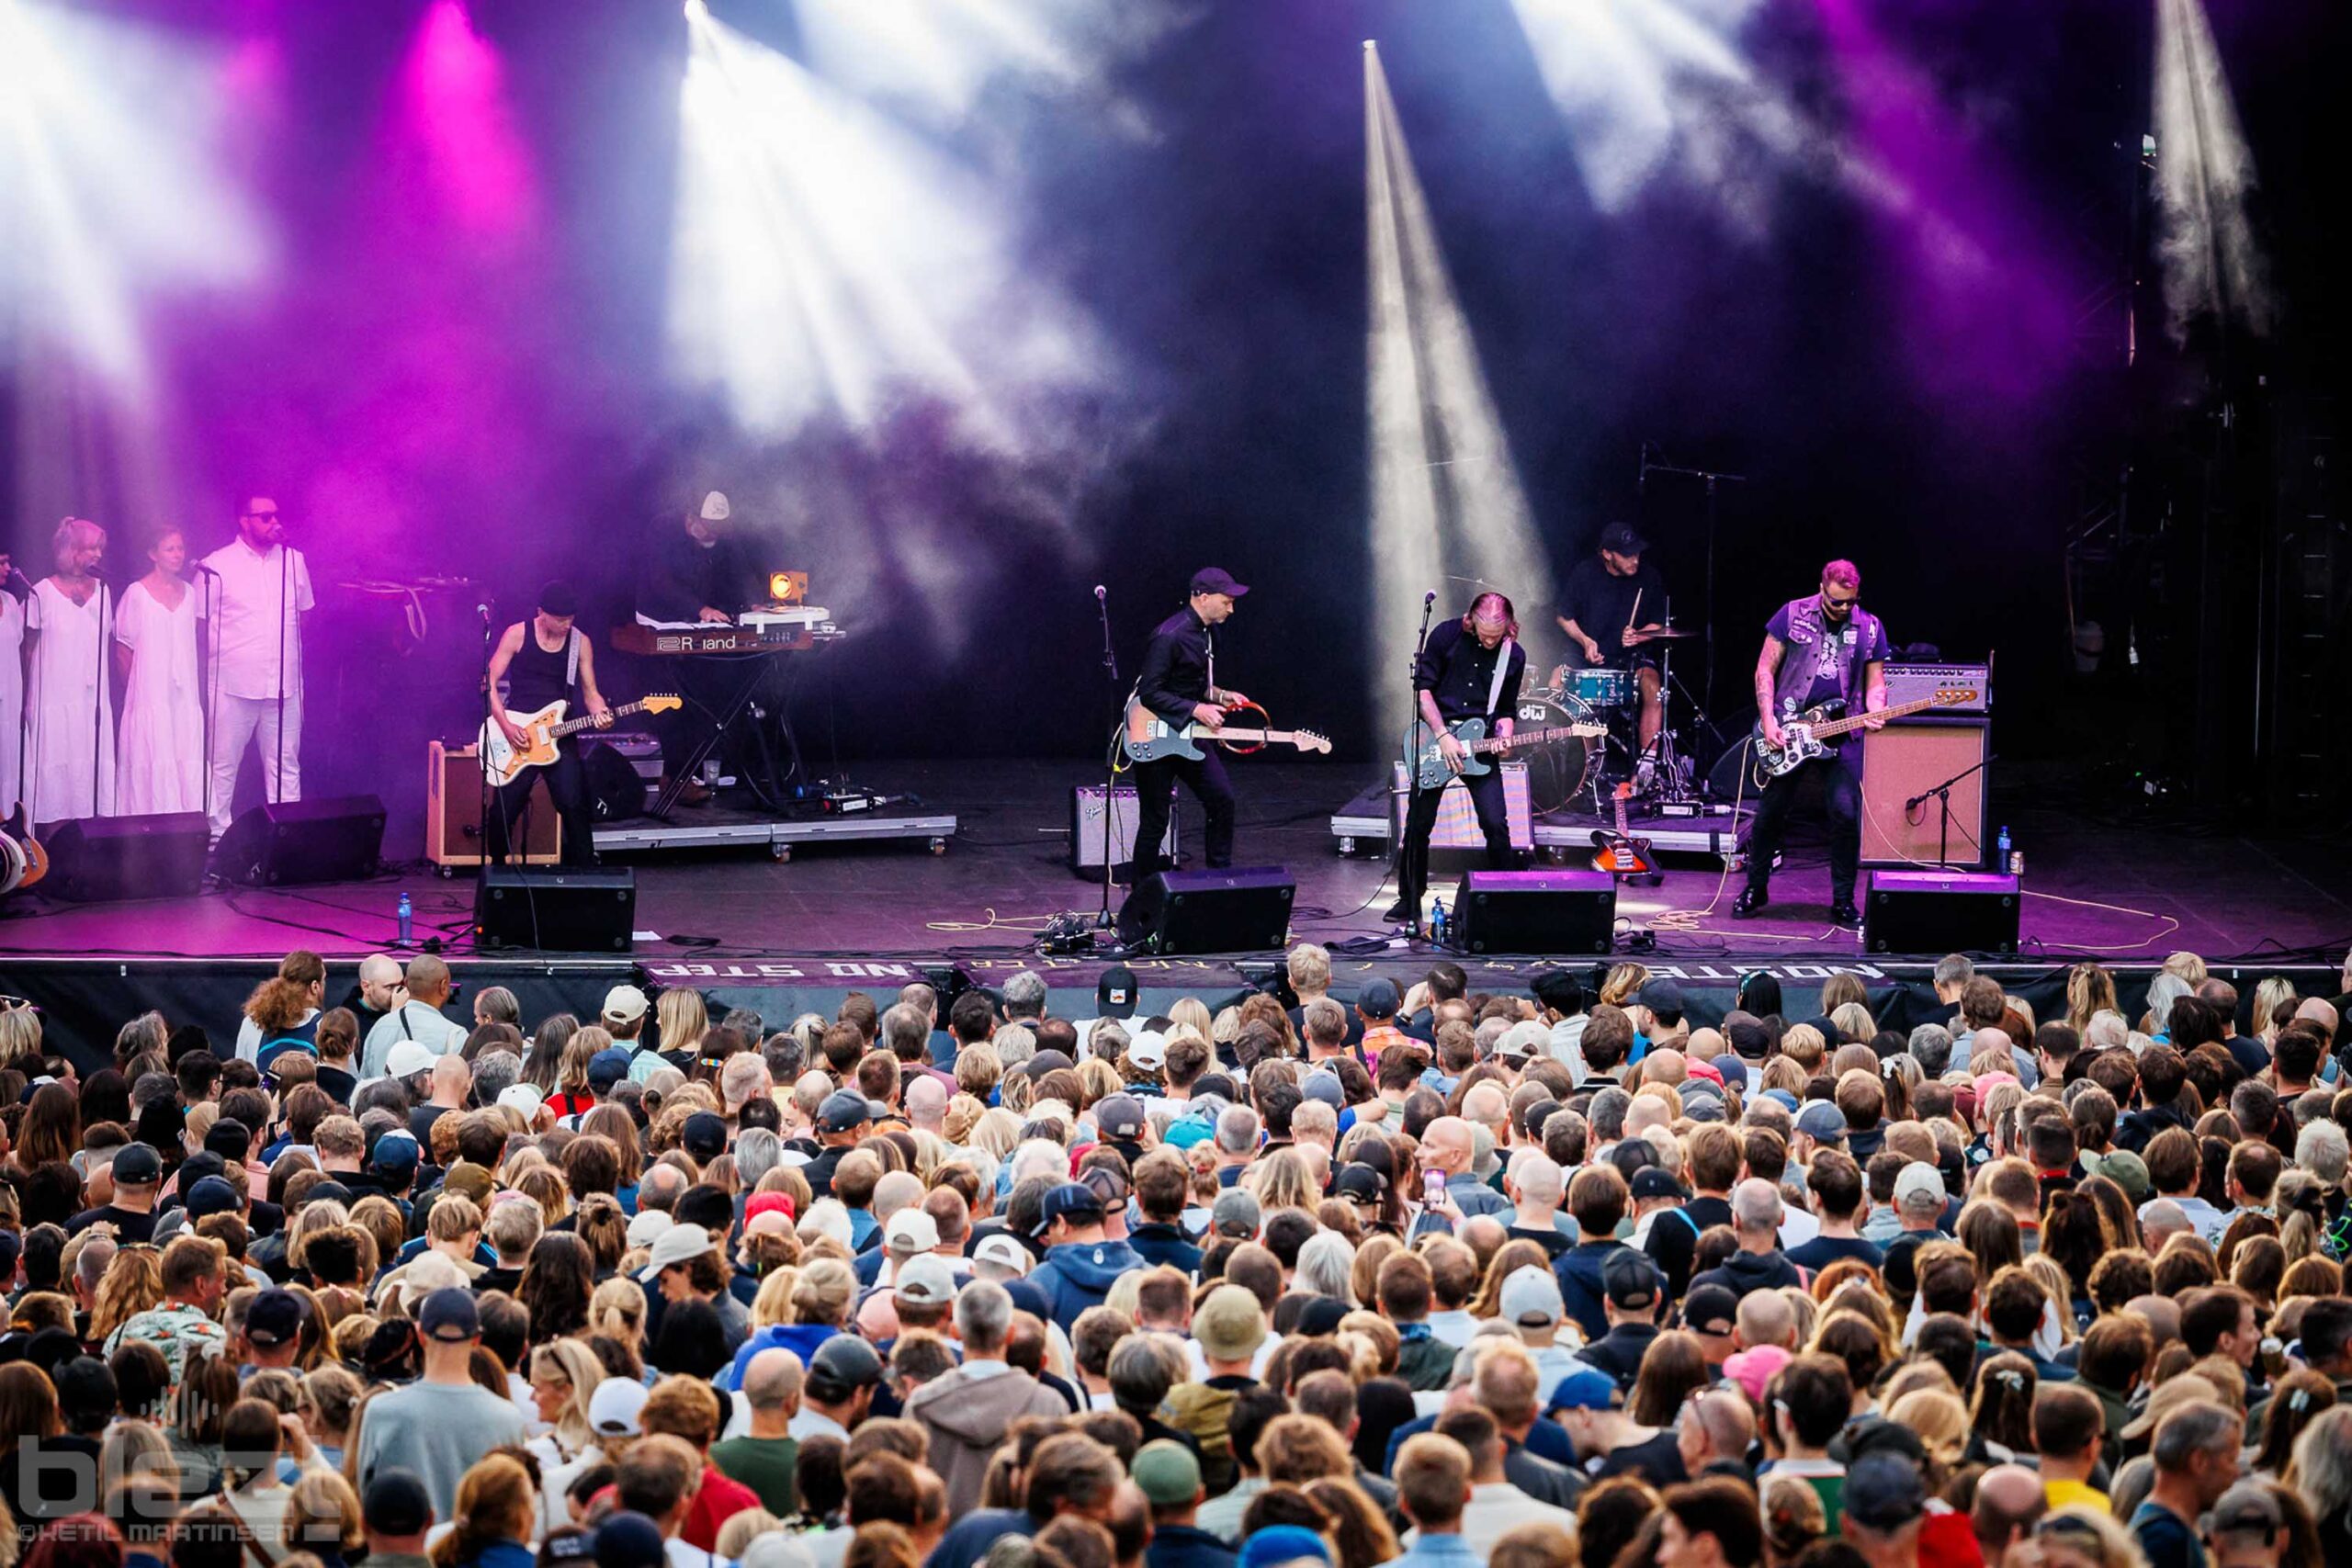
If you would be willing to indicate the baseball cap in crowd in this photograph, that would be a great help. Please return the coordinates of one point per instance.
(274, 1317)
(1148, 1050)
(1073, 1201)
(212, 1195)
(1523, 1039)
(2127, 1170)
(2248, 1508)
(1699, 1105)
(1236, 1213)
(843, 1109)
(1119, 1115)
(1656, 1181)
(1114, 993)
(1753, 1369)
(644, 1226)
(1918, 1177)
(1586, 1388)
(1659, 996)
(2181, 1388)
(1167, 1473)
(1229, 1325)
(397, 1504)
(607, 1068)
(623, 1004)
(521, 1097)
(1630, 1279)
(1623, 539)
(911, 1231)
(1324, 1085)
(842, 1365)
(629, 1541)
(1749, 1039)
(1109, 1183)
(1781, 1097)
(449, 1316)
(613, 1407)
(1711, 1309)
(407, 1058)
(1823, 1121)
(136, 1165)
(1217, 580)
(1884, 1492)
(1731, 1071)
(767, 1203)
(677, 1244)
(1274, 1544)
(1003, 1251)
(1531, 1298)
(924, 1280)
(704, 1136)
(1357, 1181)
(1321, 1315)
(396, 1155)
(1377, 1000)
(229, 1138)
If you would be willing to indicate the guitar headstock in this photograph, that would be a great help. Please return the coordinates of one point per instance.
(667, 702)
(1308, 741)
(1946, 696)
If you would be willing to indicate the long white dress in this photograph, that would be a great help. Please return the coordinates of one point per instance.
(12, 698)
(162, 766)
(71, 703)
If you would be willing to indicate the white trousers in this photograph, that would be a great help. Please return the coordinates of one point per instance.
(238, 722)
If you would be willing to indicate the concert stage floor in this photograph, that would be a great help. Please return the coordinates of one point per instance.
(2127, 892)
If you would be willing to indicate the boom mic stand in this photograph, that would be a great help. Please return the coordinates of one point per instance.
(1104, 921)
(1942, 793)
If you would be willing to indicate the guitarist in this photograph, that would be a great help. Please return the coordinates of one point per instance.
(1823, 649)
(1178, 684)
(1469, 668)
(546, 660)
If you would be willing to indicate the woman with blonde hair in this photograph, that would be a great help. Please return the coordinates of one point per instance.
(1939, 1420)
(1190, 1013)
(2079, 1536)
(132, 1283)
(330, 1398)
(497, 1512)
(617, 1310)
(1513, 1256)
(564, 1374)
(1854, 1022)
(1364, 1276)
(323, 1518)
(681, 1021)
(574, 1096)
(1281, 1180)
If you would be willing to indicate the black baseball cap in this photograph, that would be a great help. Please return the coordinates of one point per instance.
(1884, 1492)
(629, 1541)
(396, 1503)
(842, 1109)
(1710, 1309)
(1630, 1279)
(704, 1135)
(273, 1318)
(1656, 1181)
(842, 1365)
(1623, 539)
(136, 1165)
(1114, 993)
(1217, 580)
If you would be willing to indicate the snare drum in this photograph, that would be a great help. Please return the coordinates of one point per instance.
(1557, 770)
(1602, 688)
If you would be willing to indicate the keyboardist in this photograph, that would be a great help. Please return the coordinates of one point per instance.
(695, 573)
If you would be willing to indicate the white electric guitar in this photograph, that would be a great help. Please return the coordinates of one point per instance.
(501, 760)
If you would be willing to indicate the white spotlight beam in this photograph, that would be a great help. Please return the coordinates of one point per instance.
(2212, 262)
(1445, 491)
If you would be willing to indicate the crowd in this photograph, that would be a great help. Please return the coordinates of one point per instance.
(1532, 1280)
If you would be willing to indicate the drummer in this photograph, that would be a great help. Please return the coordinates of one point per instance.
(1612, 608)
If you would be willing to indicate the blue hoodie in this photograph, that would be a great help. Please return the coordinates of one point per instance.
(1579, 1271)
(800, 1339)
(1079, 1274)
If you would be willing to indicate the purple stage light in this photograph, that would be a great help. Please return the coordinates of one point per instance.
(450, 107)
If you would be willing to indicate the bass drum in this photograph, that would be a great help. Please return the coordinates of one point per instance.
(1558, 771)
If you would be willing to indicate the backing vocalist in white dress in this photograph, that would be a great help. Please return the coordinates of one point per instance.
(71, 700)
(162, 766)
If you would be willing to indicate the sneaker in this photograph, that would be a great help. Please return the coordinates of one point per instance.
(1843, 913)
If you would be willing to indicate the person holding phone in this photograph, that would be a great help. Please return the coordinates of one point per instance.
(1449, 1193)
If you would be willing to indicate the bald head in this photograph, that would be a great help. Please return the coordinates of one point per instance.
(2161, 1314)
(1666, 1067)
(428, 979)
(2008, 1500)
(2162, 1221)
(1756, 1207)
(773, 1379)
(926, 1101)
(1447, 1144)
(1766, 1318)
(1706, 1044)
(2319, 1010)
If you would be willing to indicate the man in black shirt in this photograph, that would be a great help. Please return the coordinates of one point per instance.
(1179, 684)
(1469, 668)
(138, 1174)
(693, 572)
(1612, 606)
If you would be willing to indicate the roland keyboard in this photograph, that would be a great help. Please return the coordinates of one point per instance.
(770, 629)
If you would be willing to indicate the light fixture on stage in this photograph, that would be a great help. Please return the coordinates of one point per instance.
(2211, 263)
(788, 587)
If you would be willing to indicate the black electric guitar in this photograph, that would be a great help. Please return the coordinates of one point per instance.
(1621, 854)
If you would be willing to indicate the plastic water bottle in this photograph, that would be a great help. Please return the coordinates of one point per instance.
(2001, 851)
(1437, 921)
(408, 917)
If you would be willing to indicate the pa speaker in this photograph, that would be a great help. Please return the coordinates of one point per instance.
(1536, 911)
(1239, 909)
(126, 857)
(340, 838)
(1939, 912)
(574, 910)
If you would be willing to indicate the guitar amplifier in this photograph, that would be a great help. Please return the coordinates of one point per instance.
(453, 812)
(1915, 682)
(1457, 819)
(1086, 829)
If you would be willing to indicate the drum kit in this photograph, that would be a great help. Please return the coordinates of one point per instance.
(1558, 774)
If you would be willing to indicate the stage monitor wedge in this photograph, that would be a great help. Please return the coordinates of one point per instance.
(94, 859)
(1940, 911)
(1239, 909)
(571, 910)
(339, 838)
(1536, 911)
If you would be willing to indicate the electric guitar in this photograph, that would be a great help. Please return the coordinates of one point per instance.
(23, 861)
(501, 761)
(1146, 737)
(1622, 855)
(1803, 735)
(1425, 762)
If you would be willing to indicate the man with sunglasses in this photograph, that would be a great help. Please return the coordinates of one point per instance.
(259, 589)
(1823, 649)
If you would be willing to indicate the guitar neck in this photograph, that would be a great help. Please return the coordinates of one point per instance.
(587, 721)
(1839, 726)
(1525, 737)
(1256, 737)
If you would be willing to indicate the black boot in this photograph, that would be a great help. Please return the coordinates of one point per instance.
(1843, 913)
(1751, 900)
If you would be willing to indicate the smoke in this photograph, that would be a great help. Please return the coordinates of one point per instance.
(2205, 178)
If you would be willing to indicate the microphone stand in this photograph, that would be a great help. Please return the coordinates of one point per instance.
(23, 803)
(208, 688)
(276, 791)
(1412, 757)
(1102, 920)
(98, 709)
(1942, 793)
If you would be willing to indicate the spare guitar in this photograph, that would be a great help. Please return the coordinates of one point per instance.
(1805, 735)
(1624, 856)
(1425, 763)
(1147, 736)
(22, 860)
(501, 762)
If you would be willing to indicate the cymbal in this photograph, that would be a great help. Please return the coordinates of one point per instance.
(1666, 632)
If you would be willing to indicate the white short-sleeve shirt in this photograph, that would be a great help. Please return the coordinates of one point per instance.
(244, 610)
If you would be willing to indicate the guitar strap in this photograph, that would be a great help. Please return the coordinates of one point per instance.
(571, 659)
(1502, 668)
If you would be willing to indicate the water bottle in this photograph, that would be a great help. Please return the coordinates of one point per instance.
(1437, 921)
(408, 915)
(2001, 851)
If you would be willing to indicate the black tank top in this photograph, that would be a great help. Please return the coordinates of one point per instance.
(534, 676)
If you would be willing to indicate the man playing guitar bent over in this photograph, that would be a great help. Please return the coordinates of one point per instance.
(1456, 679)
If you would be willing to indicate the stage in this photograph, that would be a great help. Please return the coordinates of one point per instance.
(785, 936)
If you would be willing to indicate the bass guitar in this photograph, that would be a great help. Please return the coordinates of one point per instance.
(1805, 736)
(501, 760)
(1622, 855)
(1425, 760)
(1146, 737)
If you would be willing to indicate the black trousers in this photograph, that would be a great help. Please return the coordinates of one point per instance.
(566, 779)
(1420, 819)
(1155, 794)
(1841, 788)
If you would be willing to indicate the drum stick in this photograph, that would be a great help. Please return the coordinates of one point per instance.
(1633, 619)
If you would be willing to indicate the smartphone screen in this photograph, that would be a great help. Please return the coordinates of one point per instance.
(1432, 1186)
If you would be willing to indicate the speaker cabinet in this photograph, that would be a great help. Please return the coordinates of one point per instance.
(453, 812)
(1909, 757)
(1239, 909)
(98, 858)
(1940, 911)
(1536, 911)
(340, 838)
(1086, 829)
(578, 909)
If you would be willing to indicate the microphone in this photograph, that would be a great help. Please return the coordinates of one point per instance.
(1429, 599)
(1100, 592)
(208, 571)
(483, 611)
(1916, 801)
